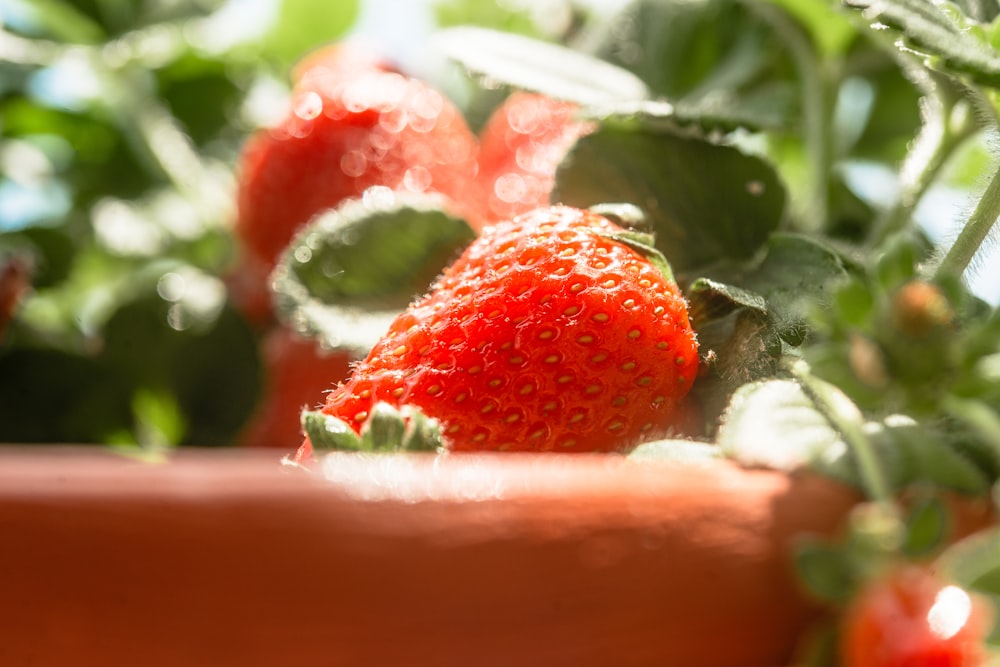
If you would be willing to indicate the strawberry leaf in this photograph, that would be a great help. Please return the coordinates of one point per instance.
(625, 215)
(926, 527)
(709, 299)
(351, 270)
(776, 424)
(972, 563)
(758, 312)
(706, 202)
(676, 451)
(940, 31)
(796, 276)
(531, 64)
(826, 570)
(739, 77)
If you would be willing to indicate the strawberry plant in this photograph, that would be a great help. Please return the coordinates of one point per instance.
(772, 169)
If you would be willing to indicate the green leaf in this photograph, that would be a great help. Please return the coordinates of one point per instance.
(709, 299)
(717, 61)
(776, 424)
(940, 31)
(974, 562)
(795, 277)
(752, 317)
(854, 303)
(676, 451)
(826, 570)
(351, 270)
(982, 421)
(627, 216)
(694, 49)
(931, 458)
(908, 453)
(523, 62)
(706, 202)
(304, 25)
(734, 338)
(897, 264)
(926, 527)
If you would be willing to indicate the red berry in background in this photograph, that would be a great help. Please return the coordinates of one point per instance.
(343, 135)
(910, 618)
(296, 373)
(15, 281)
(521, 145)
(547, 334)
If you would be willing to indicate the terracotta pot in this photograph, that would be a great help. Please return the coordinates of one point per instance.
(226, 558)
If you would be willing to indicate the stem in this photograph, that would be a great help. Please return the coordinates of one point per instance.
(975, 231)
(935, 143)
(815, 112)
(845, 418)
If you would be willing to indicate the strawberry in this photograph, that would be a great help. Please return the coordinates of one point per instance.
(296, 372)
(349, 129)
(521, 145)
(910, 617)
(15, 282)
(553, 331)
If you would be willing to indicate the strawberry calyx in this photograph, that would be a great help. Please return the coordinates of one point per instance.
(387, 429)
(625, 215)
(639, 234)
(644, 243)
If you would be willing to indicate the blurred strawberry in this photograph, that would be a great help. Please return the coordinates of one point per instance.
(520, 147)
(909, 617)
(296, 373)
(15, 280)
(350, 129)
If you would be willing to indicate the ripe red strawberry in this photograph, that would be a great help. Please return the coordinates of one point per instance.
(296, 373)
(549, 333)
(911, 618)
(349, 130)
(521, 145)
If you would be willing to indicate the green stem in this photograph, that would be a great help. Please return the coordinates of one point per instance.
(937, 140)
(844, 416)
(816, 110)
(975, 231)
